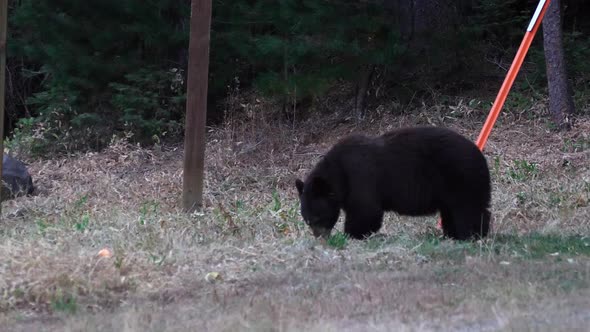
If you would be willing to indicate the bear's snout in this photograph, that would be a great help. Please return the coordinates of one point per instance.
(321, 232)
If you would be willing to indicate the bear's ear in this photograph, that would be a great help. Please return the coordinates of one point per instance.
(320, 187)
(299, 185)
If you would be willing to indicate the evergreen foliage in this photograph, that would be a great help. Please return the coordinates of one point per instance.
(90, 53)
(98, 67)
(297, 49)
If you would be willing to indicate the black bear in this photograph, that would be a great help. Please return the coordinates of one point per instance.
(412, 171)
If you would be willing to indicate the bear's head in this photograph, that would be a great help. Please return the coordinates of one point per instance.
(319, 205)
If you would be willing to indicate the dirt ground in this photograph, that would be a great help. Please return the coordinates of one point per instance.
(248, 263)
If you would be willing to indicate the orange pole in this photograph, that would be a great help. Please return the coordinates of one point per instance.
(511, 76)
(512, 72)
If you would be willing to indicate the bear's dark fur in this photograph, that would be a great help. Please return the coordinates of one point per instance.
(412, 171)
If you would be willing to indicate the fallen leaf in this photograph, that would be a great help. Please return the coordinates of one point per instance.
(213, 277)
(106, 253)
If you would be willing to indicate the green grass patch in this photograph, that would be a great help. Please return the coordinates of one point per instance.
(337, 240)
(530, 246)
(82, 225)
(438, 248)
(535, 246)
(64, 303)
(523, 170)
(576, 145)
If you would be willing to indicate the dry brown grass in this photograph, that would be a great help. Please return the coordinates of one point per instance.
(274, 276)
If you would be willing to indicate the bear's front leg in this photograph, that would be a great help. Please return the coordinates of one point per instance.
(361, 224)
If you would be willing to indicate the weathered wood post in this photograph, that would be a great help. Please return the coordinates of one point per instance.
(196, 105)
(3, 28)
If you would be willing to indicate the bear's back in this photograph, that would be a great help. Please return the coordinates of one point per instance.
(408, 169)
(433, 162)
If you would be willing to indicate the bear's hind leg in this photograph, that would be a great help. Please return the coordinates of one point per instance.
(481, 229)
(448, 224)
(360, 225)
(469, 223)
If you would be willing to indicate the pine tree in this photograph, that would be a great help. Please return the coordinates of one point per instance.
(296, 49)
(93, 54)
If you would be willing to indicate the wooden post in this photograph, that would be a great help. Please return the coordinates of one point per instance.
(3, 28)
(196, 105)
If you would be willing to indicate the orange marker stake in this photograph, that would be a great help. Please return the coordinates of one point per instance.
(511, 76)
(512, 72)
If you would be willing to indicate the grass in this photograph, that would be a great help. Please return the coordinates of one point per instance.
(576, 145)
(273, 275)
(338, 240)
(64, 303)
(529, 246)
(523, 170)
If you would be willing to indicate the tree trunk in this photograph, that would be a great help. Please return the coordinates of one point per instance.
(361, 92)
(424, 17)
(561, 104)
